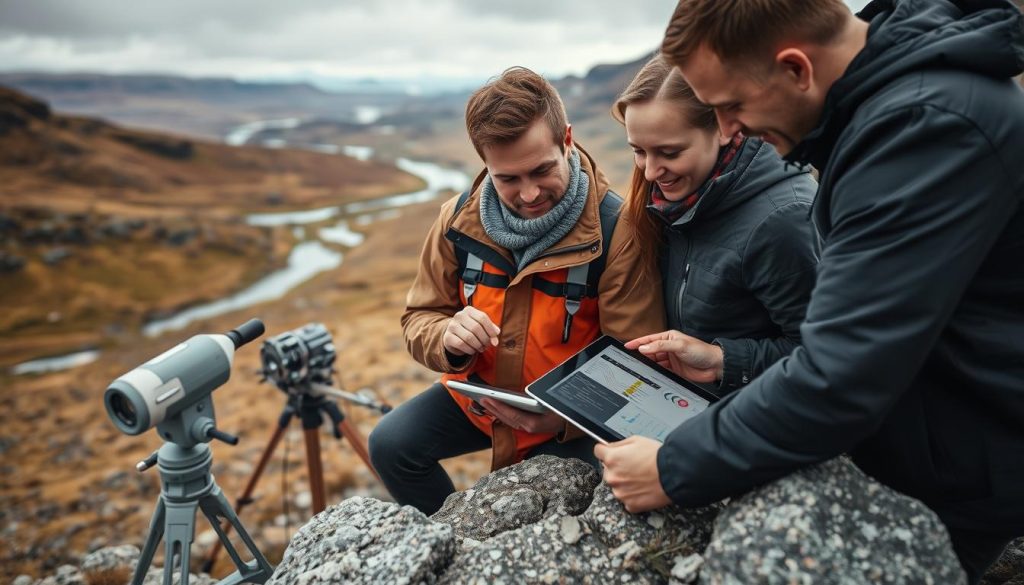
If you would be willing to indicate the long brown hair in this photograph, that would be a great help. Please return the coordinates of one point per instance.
(657, 79)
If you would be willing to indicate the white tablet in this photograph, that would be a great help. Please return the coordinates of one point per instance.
(476, 391)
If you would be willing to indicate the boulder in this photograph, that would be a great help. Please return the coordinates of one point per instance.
(65, 575)
(1009, 569)
(56, 256)
(366, 541)
(605, 544)
(526, 493)
(10, 262)
(829, 523)
(113, 557)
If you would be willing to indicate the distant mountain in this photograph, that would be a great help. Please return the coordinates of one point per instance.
(204, 107)
(63, 157)
(209, 89)
(594, 94)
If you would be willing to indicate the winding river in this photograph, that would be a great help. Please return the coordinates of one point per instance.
(309, 257)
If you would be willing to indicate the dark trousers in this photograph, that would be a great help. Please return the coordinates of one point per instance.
(408, 443)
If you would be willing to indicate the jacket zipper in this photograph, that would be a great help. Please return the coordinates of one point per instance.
(682, 292)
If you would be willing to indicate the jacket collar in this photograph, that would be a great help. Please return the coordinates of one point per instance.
(755, 168)
(982, 36)
(583, 236)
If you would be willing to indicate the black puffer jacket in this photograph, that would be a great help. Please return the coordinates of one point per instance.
(912, 354)
(738, 267)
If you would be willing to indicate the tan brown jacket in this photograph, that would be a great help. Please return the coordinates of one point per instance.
(628, 304)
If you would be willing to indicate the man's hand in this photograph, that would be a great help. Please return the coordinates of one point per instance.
(631, 470)
(687, 356)
(469, 332)
(517, 418)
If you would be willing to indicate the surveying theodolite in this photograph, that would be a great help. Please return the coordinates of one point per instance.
(301, 364)
(172, 392)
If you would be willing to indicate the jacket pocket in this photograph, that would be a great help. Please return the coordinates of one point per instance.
(709, 304)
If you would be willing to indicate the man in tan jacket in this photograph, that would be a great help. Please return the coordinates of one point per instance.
(529, 266)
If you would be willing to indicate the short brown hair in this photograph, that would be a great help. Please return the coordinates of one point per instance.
(502, 110)
(750, 30)
(656, 79)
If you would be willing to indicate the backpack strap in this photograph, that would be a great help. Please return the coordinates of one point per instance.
(471, 276)
(460, 254)
(581, 281)
(575, 288)
(611, 207)
(588, 276)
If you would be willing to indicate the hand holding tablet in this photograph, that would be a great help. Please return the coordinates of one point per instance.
(477, 391)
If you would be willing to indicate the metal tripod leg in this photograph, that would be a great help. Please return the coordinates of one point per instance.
(215, 506)
(246, 497)
(156, 532)
(176, 522)
(180, 531)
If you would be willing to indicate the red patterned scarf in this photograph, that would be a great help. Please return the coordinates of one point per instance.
(673, 210)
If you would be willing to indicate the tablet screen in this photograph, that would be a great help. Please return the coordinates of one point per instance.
(617, 395)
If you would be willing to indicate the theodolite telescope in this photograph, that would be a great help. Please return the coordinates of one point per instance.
(172, 392)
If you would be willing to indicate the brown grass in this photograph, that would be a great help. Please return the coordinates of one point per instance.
(109, 576)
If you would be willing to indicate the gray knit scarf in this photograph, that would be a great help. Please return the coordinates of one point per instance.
(529, 238)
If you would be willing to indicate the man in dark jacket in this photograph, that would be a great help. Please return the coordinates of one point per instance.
(913, 344)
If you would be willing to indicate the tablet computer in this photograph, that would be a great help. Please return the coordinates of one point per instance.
(612, 393)
(476, 391)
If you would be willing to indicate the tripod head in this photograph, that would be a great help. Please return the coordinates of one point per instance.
(301, 364)
(172, 391)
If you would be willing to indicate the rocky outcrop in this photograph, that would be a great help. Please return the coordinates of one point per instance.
(109, 566)
(603, 545)
(367, 541)
(828, 523)
(544, 521)
(527, 524)
(1009, 569)
(520, 495)
(164, 146)
(17, 110)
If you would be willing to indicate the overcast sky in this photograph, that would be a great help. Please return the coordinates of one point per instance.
(311, 39)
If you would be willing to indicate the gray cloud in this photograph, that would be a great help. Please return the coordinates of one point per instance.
(328, 38)
(654, 13)
(117, 18)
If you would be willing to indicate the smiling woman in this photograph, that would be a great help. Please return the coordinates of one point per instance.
(728, 221)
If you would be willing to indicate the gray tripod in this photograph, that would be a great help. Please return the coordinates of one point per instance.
(186, 483)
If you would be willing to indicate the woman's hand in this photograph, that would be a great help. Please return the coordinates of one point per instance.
(687, 356)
